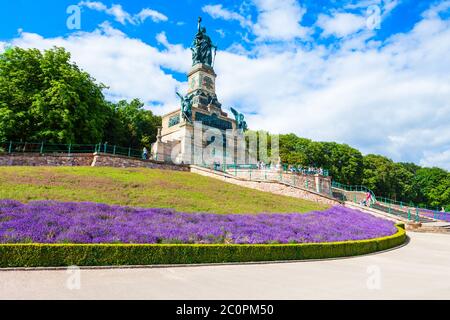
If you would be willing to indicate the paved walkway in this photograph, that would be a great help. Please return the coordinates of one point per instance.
(420, 270)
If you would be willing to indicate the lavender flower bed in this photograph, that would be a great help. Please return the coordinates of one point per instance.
(444, 216)
(56, 222)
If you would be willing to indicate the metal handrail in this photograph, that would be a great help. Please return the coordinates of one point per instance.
(392, 204)
(12, 147)
(354, 188)
(255, 174)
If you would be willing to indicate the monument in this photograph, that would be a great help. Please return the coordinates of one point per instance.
(200, 128)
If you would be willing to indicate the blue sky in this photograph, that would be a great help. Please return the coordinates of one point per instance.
(371, 73)
(48, 18)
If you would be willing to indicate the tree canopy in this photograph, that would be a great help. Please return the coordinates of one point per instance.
(46, 97)
(406, 182)
(130, 124)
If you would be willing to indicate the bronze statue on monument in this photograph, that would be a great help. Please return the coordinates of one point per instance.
(202, 47)
(241, 124)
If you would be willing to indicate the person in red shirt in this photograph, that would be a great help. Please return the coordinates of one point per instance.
(368, 199)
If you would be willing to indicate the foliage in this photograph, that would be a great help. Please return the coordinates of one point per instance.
(129, 124)
(46, 97)
(343, 162)
(55, 255)
(73, 222)
(181, 191)
(434, 187)
(405, 182)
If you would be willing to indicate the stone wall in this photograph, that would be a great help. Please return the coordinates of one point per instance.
(320, 184)
(107, 160)
(51, 160)
(268, 186)
(354, 196)
(83, 159)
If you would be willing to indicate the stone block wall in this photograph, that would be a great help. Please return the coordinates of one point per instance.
(83, 159)
(51, 160)
(318, 183)
(268, 186)
(107, 160)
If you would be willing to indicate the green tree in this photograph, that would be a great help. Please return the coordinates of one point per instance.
(432, 183)
(129, 124)
(45, 97)
(343, 162)
(293, 150)
(377, 174)
(439, 195)
(405, 182)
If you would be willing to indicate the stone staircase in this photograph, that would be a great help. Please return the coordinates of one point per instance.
(425, 224)
(258, 182)
(402, 213)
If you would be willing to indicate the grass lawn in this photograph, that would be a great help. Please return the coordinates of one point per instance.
(181, 191)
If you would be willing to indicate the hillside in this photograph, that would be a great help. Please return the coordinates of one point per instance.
(181, 191)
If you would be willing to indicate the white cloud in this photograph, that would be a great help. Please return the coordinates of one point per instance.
(369, 15)
(94, 5)
(390, 98)
(437, 159)
(174, 57)
(115, 10)
(130, 67)
(434, 10)
(388, 6)
(122, 16)
(218, 12)
(385, 5)
(107, 29)
(221, 33)
(155, 16)
(279, 20)
(340, 24)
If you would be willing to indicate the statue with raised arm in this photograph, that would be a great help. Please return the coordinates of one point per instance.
(202, 47)
(186, 107)
(241, 124)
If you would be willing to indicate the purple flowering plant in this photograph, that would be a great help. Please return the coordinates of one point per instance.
(69, 222)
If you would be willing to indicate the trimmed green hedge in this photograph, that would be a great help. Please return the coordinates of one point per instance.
(401, 225)
(57, 255)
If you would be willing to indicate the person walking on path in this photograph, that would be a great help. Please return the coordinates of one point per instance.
(145, 154)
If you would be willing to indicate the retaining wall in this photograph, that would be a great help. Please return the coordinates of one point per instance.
(102, 160)
(317, 183)
(268, 186)
(83, 159)
(53, 160)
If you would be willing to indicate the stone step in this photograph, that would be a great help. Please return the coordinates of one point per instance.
(401, 213)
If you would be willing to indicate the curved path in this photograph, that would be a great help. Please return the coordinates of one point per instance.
(419, 270)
